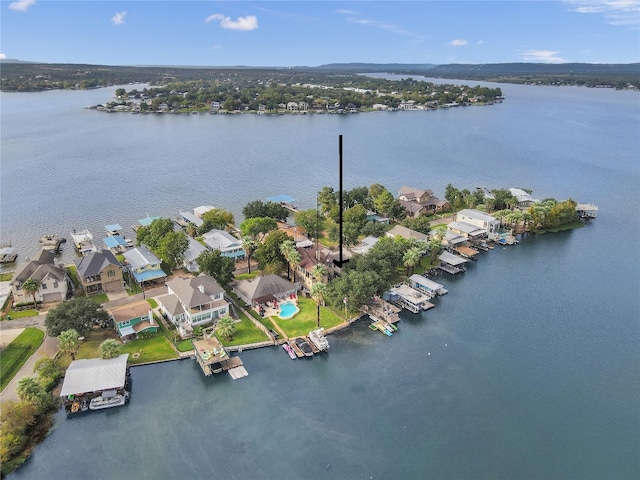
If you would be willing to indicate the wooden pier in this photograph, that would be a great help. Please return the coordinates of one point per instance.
(213, 358)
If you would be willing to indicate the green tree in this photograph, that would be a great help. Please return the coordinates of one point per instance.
(172, 247)
(216, 218)
(287, 249)
(411, 258)
(268, 254)
(309, 220)
(29, 390)
(317, 293)
(152, 235)
(420, 224)
(31, 287)
(257, 208)
(319, 272)
(48, 372)
(109, 348)
(79, 313)
(257, 227)
(389, 206)
(249, 246)
(69, 343)
(226, 328)
(15, 420)
(213, 263)
(327, 200)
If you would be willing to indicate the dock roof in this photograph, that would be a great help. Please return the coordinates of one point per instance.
(283, 198)
(452, 259)
(94, 374)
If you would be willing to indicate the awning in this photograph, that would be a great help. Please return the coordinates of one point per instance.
(148, 275)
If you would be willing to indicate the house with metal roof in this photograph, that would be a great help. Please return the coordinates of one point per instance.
(54, 283)
(228, 245)
(100, 272)
(193, 251)
(470, 232)
(525, 200)
(193, 301)
(481, 220)
(143, 264)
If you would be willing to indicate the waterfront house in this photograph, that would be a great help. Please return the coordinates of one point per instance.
(193, 301)
(404, 232)
(309, 258)
(470, 232)
(427, 286)
(53, 281)
(100, 272)
(201, 210)
(480, 219)
(257, 291)
(143, 264)
(185, 218)
(420, 202)
(132, 319)
(525, 200)
(228, 245)
(194, 250)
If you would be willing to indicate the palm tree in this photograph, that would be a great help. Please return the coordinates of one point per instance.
(68, 343)
(318, 272)
(286, 249)
(411, 258)
(317, 293)
(110, 348)
(226, 328)
(30, 391)
(31, 287)
(249, 245)
(294, 259)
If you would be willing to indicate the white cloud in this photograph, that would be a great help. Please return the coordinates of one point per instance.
(480, 42)
(250, 22)
(345, 12)
(458, 42)
(389, 27)
(616, 12)
(118, 18)
(21, 5)
(2, 56)
(543, 56)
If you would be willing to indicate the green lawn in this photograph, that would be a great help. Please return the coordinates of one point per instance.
(149, 350)
(6, 277)
(184, 346)
(305, 321)
(73, 275)
(18, 352)
(246, 333)
(100, 298)
(22, 314)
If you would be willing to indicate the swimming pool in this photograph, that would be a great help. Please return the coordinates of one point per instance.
(288, 310)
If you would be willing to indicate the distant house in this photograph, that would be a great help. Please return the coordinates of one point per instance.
(132, 319)
(260, 290)
(365, 245)
(187, 217)
(524, 199)
(404, 232)
(228, 245)
(143, 264)
(373, 217)
(420, 202)
(53, 280)
(194, 250)
(201, 210)
(100, 272)
(192, 302)
(480, 219)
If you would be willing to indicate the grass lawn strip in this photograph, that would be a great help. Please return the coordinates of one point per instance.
(305, 321)
(15, 355)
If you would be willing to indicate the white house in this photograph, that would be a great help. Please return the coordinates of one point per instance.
(228, 245)
(481, 220)
(194, 250)
(524, 199)
(193, 301)
(53, 284)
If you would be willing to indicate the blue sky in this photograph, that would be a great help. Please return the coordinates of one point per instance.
(311, 33)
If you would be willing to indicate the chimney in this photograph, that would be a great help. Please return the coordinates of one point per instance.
(201, 288)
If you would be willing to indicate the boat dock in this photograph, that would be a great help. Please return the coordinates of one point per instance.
(8, 254)
(409, 298)
(83, 241)
(384, 327)
(380, 309)
(52, 242)
(451, 263)
(213, 358)
(586, 210)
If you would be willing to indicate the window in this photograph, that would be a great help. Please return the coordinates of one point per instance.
(43, 286)
(55, 284)
(111, 273)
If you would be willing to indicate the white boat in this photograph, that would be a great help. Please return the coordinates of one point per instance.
(102, 401)
(318, 339)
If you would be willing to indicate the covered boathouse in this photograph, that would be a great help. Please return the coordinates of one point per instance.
(95, 384)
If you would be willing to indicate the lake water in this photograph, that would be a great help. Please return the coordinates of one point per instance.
(528, 368)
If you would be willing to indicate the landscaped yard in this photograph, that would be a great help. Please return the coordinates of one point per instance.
(246, 333)
(18, 352)
(305, 321)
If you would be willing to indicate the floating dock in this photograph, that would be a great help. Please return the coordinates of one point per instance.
(213, 358)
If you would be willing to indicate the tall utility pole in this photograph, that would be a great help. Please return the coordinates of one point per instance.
(340, 197)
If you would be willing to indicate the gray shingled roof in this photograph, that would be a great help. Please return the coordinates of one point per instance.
(95, 262)
(188, 291)
(263, 286)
